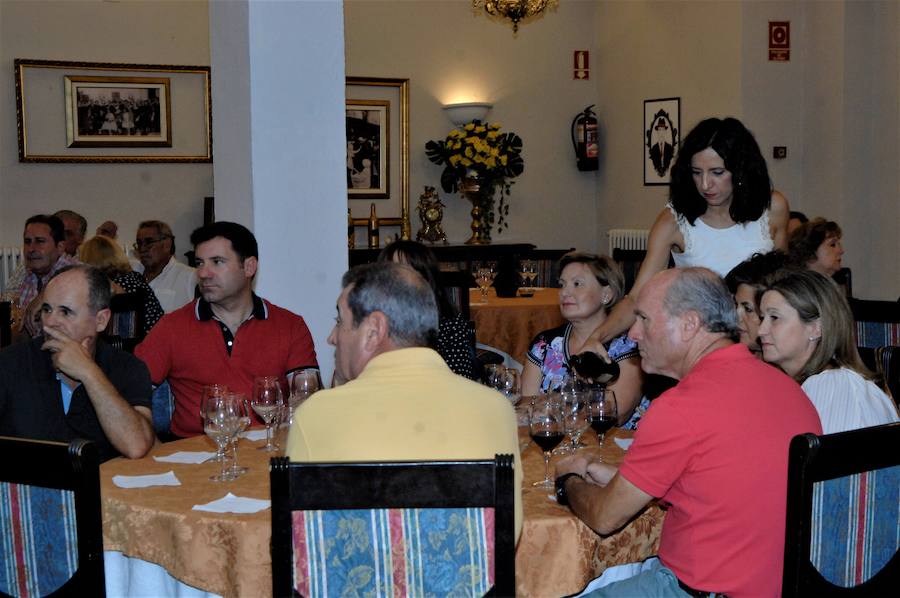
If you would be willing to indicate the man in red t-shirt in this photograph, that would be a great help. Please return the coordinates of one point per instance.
(229, 335)
(714, 448)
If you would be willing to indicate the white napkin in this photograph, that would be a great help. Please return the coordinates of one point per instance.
(144, 481)
(234, 504)
(254, 434)
(186, 457)
(624, 443)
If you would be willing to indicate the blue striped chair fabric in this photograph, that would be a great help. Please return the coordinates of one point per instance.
(393, 552)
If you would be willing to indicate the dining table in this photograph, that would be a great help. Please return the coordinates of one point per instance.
(511, 323)
(228, 554)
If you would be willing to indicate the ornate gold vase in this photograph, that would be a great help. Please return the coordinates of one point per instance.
(470, 187)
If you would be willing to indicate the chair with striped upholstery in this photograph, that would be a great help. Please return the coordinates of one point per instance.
(50, 526)
(432, 528)
(877, 322)
(843, 514)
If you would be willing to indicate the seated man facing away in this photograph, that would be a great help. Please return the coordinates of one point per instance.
(714, 448)
(402, 402)
(229, 335)
(69, 384)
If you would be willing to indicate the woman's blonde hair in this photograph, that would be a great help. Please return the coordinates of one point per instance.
(816, 297)
(607, 272)
(104, 254)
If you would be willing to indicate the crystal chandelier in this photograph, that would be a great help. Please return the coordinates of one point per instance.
(514, 10)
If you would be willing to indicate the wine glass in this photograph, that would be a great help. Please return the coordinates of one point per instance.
(267, 403)
(243, 410)
(491, 374)
(221, 421)
(527, 273)
(545, 425)
(603, 412)
(575, 408)
(508, 384)
(302, 384)
(484, 273)
(208, 392)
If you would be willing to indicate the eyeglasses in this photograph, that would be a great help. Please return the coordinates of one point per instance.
(140, 243)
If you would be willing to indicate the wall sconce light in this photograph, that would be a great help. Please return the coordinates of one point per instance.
(514, 10)
(463, 113)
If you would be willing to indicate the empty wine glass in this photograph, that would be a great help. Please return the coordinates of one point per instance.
(267, 403)
(603, 412)
(528, 273)
(508, 384)
(491, 374)
(206, 393)
(221, 421)
(575, 408)
(244, 410)
(545, 425)
(484, 273)
(302, 384)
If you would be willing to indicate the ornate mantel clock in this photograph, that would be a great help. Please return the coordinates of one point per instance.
(431, 212)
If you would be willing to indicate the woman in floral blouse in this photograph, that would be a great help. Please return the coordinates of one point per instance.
(590, 285)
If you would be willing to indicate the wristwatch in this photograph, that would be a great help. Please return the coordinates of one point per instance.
(561, 497)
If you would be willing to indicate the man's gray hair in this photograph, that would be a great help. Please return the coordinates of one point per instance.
(162, 229)
(99, 288)
(401, 294)
(703, 291)
(82, 223)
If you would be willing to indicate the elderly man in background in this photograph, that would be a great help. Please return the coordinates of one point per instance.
(108, 229)
(172, 282)
(402, 401)
(74, 227)
(68, 383)
(229, 335)
(714, 448)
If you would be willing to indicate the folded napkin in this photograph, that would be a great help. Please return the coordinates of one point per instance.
(186, 457)
(234, 504)
(144, 481)
(624, 443)
(254, 434)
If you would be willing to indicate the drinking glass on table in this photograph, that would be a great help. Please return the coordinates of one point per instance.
(244, 410)
(221, 421)
(484, 273)
(508, 384)
(528, 273)
(575, 411)
(603, 412)
(302, 384)
(491, 374)
(206, 393)
(268, 404)
(545, 425)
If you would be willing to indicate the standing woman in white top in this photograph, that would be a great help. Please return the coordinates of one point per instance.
(807, 331)
(721, 210)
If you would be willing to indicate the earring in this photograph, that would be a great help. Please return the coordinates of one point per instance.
(814, 338)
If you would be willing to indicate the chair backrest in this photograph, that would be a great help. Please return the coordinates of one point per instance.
(50, 518)
(630, 260)
(887, 363)
(456, 285)
(877, 322)
(395, 529)
(5, 323)
(844, 279)
(127, 319)
(843, 514)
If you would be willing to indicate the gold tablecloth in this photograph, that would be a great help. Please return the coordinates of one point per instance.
(509, 323)
(229, 554)
(557, 553)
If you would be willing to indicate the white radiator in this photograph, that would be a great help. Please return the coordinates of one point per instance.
(627, 238)
(10, 258)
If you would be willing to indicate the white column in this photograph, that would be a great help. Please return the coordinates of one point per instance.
(278, 113)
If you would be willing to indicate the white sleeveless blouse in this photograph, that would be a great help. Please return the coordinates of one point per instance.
(721, 249)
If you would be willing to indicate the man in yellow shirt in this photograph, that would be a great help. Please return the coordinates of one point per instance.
(401, 401)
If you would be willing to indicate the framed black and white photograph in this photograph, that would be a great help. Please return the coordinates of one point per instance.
(377, 139)
(662, 135)
(118, 111)
(70, 111)
(368, 148)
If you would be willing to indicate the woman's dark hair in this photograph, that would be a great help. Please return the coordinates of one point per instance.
(738, 149)
(806, 239)
(423, 261)
(755, 270)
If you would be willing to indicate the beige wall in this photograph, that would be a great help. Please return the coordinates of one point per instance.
(130, 31)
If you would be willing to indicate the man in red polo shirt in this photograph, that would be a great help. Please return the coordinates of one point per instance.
(229, 335)
(714, 448)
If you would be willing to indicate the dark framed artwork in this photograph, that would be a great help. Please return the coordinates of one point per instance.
(118, 112)
(368, 148)
(111, 112)
(377, 138)
(661, 139)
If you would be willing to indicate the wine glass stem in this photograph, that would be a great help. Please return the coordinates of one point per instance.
(600, 437)
(224, 473)
(546, 466)
(270, 436)
(484, 294)
(234, 463)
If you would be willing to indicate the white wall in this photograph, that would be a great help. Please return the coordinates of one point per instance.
(451, 53)
(133, 31)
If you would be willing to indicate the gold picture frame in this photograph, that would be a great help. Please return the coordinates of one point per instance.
(390, 98)
(47, 111)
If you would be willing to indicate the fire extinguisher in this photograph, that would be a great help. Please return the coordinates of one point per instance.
(584, 139)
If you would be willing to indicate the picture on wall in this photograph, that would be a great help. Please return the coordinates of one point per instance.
(118, 111)
(368, 148)
(662, 135)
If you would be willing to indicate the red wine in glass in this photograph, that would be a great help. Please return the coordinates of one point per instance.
(547, 440)
(603, 423)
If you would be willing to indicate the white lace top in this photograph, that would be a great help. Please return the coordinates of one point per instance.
(721, 249)
(847, 401)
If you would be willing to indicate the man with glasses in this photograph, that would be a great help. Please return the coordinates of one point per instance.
(173, 282)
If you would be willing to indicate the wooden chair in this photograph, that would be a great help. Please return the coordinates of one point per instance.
(126, 326)
(50, 516)
(843, 514)
(407, 520)
(877, 322)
